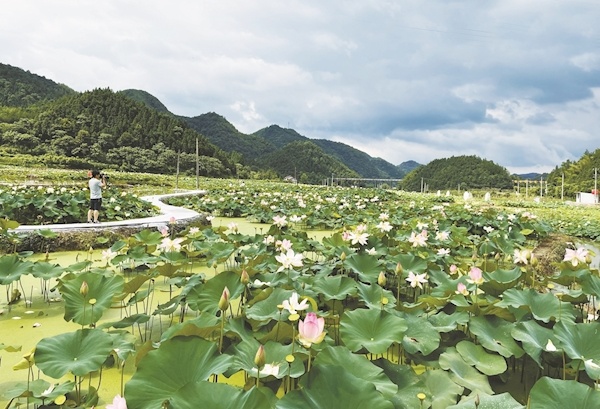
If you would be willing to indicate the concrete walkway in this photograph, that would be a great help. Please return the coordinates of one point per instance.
(166, 213)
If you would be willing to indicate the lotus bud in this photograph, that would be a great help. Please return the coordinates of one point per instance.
(381, 280)
(343, 256)
(245, 278)
(399, 269)
(83, 290)
(259, 358)
(497, 256)
(224, 300)
(533, 260)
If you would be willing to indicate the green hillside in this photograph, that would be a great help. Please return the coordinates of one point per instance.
(579, 176)
(307, 162)
(146, 98)
(462, 172)
(20, 88)
(223, 134)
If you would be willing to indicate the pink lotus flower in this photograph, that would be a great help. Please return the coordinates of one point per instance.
(118, 403)
(310, 331)
(475, 276)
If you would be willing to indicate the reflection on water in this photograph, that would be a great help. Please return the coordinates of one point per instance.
(25, 324)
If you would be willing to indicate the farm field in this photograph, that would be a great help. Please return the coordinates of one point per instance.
(308, 296)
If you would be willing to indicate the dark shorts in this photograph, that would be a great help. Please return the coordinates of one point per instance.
(95, 204)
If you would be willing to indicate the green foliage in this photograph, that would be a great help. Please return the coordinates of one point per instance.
(19, 88)
(579, 176)
(464, 172)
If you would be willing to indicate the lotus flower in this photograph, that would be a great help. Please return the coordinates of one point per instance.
(118, 403)
(310, 331)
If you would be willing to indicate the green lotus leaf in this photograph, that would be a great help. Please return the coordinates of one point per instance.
(102, 289)
(127, 321)
(275, 355)
(550, 393)
(123, 343)
(445, 285)
(149, 237)
(543, 307)
(46, 271)
(171, 372)
(332, 386)
(533, 338)
(420, 335)
(478, 357)
(358, 366)
(12, 268)
(367, 267)
(205, 296)
(219, 252)
(590, 284)
(487, 247)
(335, 287)
(266, 310)
(592, 368)
(579, 340)
(444, 391)
(500, 280)
(79, 352)
(494, 334)
(374, 330)
(504, 401)
(373, 296)
(205, 326)
(464, 374)
(410, 262)
(409, 385)
(443, 322)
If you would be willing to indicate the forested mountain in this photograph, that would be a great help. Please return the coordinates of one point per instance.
(408, 166)
(278, 136)
(224, 135)
(101, 128)
(579, 176)
(307, 162)
(462, 172)
(20, 88)
(146, 98)
(132, 130)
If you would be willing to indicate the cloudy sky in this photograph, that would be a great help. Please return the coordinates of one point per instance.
(513, 81)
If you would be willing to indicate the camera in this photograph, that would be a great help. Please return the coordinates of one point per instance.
(104, 176)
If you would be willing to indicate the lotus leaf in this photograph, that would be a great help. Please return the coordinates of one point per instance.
(374, 330)
(332, 386)
(444, 391)
(550, 393)
(533, 338)
(335, 287)
(494, 334)
(544, 307)
(420, 335)
(579, 340)
(409, 384)
(102, 289)
(367, 267)
(477, 356)
(464, 374)
(205, 296)
(12, 268)
(503, 401)
(373, 296)
(46, 271)
(79, 352)
(172, 372)
(358, 366)
(275, 355)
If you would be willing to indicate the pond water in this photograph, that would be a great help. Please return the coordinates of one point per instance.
(25, 324)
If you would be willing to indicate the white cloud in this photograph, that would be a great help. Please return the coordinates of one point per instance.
(512, 81)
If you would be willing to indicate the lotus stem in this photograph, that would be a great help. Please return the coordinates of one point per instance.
(222, 330)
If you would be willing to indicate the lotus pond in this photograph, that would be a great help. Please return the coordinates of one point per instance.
(408, 301)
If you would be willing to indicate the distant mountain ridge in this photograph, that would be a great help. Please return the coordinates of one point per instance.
(267, 149)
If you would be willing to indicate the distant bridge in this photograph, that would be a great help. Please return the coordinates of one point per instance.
(361, 181)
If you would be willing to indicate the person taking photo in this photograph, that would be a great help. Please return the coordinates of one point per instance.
(97, 183)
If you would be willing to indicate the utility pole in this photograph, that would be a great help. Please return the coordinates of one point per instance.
(197, 166)
(562, 188)
(596, 184)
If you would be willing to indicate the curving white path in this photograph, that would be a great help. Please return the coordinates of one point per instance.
(166, 213)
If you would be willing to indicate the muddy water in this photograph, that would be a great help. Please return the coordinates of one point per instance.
(25, 324)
